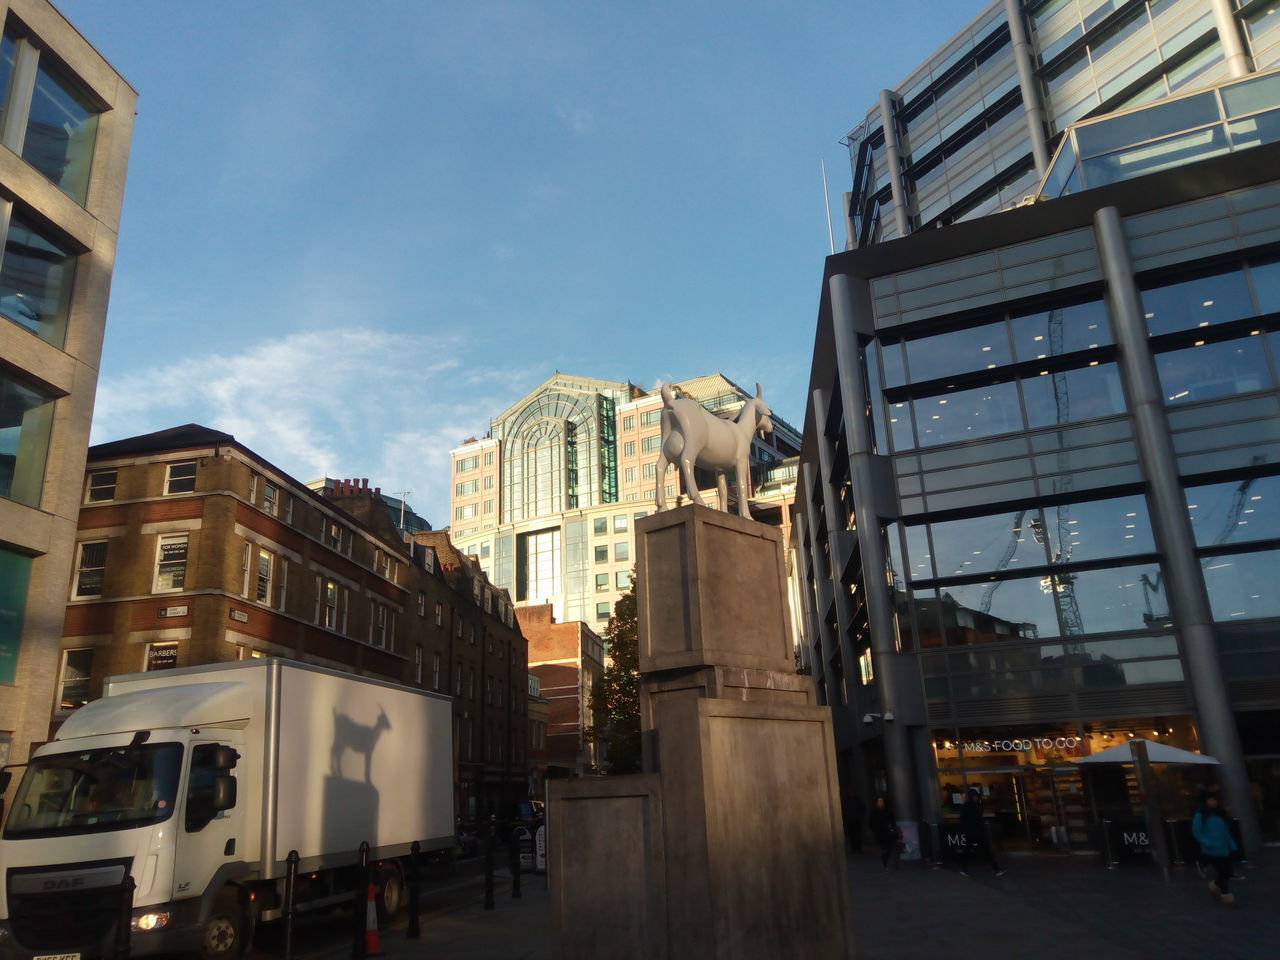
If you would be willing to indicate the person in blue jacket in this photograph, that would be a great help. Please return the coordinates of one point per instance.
(1217, 845)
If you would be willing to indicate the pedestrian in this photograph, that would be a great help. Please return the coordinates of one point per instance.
(886, 832)
(1217, 846)
(975, 834)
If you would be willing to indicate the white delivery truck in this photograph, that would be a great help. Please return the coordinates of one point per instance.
(198, 782)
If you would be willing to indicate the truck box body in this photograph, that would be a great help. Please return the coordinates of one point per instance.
(324, 761)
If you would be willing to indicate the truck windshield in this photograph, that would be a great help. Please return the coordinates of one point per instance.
(94, 790)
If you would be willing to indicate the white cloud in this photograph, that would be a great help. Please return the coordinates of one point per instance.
(343, 402)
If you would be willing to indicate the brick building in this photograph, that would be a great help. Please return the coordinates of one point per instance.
(192, 549)
(567, 659)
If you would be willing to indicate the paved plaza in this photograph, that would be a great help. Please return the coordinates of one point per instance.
(1044, 908)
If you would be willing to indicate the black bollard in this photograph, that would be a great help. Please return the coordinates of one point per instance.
(124, 922)
(361, 898)
(290, 900)
(514, 845)
(415, 930)
(488, 867)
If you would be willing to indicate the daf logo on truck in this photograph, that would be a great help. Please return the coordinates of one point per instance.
(199, 783)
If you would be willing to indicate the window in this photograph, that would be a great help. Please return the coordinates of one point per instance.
(100, 487)
(35, 281)
(90, 565)
(73, 691)
(435, 671)
(25, 417)
(253, 488)
(171, 563)
(439, 614)
(264, 568)
(629, 475)
(602, 553)
(629, 448)
(602, 582)
(333, 534)
(422, 604)
(180, 477)
(457, 680)
(620, 523)
(457, 629)
(628, 423)
(379, 635)
(488, 690)
(466, 464)
(327, 607)
(488, 458)
(602, 611)
(471, 634)
(650, 417)
(622, 550)
(488, 507)
(600, 525)
(465, 512)
(382, 563)
(61, 127)
(622, 579)
(466, 487)
(270, 498)
(649, 444)
(484, 550)
(471, 683)
(649, 470)
(417, 664)
(488, 482)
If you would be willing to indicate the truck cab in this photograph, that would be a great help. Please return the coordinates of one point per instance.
(141, 786)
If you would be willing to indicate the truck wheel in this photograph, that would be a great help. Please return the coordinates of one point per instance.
(224, 934)
(389, 892)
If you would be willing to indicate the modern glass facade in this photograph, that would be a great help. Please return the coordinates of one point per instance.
(1040, 452)
(971, 131)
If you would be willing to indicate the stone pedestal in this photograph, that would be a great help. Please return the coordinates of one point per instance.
(732, 840)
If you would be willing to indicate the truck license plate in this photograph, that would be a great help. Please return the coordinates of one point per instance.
(58, 956)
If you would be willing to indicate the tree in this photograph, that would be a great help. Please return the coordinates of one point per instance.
(617, 693)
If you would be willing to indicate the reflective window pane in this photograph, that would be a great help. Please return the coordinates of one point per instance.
(6, 73)
(1213, 370)
(1138, 161)
(1199, 302)
(1098, 529)
(1003, 541)
(1000, 611)
(61, 128)
(894, 373)
(961, 351)
(1235, 512)
(1123, 598)
(26, 415)
(920, 559)
(1266, 285)
(900, 426)
(1242, 586)
(968, 414)
(1154, 122)
(35, 281)
(1068, 396)
(1049, 333)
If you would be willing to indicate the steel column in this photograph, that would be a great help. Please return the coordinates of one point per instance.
(893, 157)
(1032, 103)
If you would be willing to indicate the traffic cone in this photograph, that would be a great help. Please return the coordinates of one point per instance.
(372, 945)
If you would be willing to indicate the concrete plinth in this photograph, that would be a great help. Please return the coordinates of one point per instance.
(731, 845)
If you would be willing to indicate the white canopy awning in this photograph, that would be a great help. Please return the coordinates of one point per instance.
(1156, 753)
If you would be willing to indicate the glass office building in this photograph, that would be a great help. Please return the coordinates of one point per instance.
(972, 130)
(1041, 443)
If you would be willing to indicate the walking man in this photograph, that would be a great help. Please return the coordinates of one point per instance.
(975, 834)
(1216, 845)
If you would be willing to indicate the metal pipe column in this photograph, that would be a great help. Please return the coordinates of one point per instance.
(1239, 63)
(893, 158)
(875, 561)
(1032, 104)
(1188, 598)
(820, 616)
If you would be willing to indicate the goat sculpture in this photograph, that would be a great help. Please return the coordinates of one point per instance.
(693, 436)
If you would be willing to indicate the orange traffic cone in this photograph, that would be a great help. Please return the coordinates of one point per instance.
(372, 945)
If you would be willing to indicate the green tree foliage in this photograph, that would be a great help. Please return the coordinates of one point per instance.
(617, 694)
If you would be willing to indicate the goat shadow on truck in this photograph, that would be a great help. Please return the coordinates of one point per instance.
(352, 801)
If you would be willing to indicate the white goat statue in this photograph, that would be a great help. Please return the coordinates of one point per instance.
(693, 436)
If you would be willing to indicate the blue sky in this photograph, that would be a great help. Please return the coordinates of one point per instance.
(354, 232)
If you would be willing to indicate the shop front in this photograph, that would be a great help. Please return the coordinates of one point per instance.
(1037, 799)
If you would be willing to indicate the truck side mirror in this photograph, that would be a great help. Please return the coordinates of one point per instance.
(5, 777)
(224, 757)
(224, 792)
